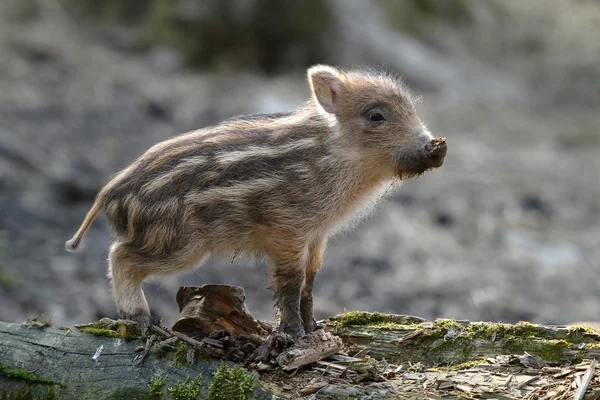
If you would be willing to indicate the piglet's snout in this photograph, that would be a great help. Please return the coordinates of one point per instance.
(436, 152)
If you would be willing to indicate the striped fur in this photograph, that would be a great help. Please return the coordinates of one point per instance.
(276, 185)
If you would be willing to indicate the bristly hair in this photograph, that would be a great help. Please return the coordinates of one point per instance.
(380, 71)
(258, 116)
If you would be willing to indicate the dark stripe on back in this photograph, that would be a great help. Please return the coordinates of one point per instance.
(259, 116)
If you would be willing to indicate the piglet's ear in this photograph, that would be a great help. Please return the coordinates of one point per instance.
(326, 85)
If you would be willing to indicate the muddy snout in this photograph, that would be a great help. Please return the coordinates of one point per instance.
(435, 152)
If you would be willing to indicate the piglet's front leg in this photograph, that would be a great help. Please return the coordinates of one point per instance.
(315, 261)
(288, 281)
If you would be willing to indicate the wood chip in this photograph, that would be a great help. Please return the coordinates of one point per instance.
(446, 385)
(586, 381)
(313, 386)
(414, 377)
(344, 359)
(562, 374)
(262, 366)
(528, 382)
(464, 388)
(313, 347)
(552, 370)
(385, 365)
(331, 365)
(532, 360)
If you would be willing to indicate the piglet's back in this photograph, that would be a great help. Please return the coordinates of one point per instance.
(216, 176)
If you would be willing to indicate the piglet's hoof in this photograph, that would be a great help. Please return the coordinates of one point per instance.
(272, 347)
(313, 326)
(144, 322)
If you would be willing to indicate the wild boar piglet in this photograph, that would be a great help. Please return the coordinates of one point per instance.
(267, 185)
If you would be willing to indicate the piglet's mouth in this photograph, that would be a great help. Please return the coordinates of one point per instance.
(432, 157)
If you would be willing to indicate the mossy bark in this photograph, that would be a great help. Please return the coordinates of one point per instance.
(445, 342)
(51, 363)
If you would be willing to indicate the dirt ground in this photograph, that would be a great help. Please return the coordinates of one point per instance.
(507, 230)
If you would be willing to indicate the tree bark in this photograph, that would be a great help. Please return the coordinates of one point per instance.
(66, 363)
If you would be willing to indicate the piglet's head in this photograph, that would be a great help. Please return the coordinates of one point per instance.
(376, 120)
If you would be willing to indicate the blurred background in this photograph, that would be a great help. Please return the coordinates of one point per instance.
(507, 230)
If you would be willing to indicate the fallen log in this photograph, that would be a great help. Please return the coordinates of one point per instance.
(401, 339)
(356, 355)
(45, 362)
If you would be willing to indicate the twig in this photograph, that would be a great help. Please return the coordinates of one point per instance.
(528, 381)
(167, 332)
(160, 330)
(213, 342)
(586, 381)
(149, 343)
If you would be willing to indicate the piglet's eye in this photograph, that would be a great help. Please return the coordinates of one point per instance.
(376, 117)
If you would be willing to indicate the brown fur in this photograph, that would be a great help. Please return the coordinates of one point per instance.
(269, 185)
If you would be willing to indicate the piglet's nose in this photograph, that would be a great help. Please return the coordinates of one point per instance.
(436, 152)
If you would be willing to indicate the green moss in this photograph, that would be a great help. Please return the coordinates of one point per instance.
(231, 383)
(180, 357)
(114, 329)
(28, 394)
(373, 319)
(488, 330)
(517, 338)
(448, 324)
(21, 394)
(25, 376)
(523, 329)
(450, 341)
(548, 350)
(50, 393)
(576, 360)
(101, 332)
(186, 390)
(551, 350)
(579, 334)
(156, 385)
